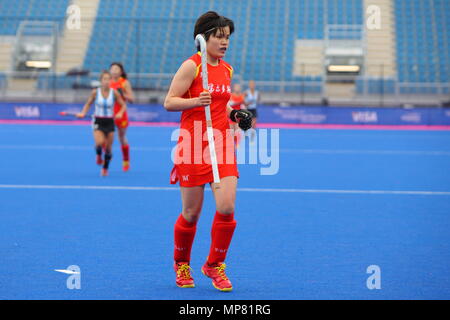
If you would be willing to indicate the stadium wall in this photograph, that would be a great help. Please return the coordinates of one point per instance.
(298, 115)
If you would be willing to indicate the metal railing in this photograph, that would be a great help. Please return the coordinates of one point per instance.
(60, 87)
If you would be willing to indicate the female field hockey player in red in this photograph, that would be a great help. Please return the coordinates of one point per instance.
(104, 99)
(186, 94)
(120, 83)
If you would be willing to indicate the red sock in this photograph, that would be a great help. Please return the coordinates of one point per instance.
(126, 152)
(184, 237)
(221, 234)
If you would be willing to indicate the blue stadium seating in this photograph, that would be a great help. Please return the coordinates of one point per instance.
(155, 36)
(262, 47)
(423, 40)
(13, 12)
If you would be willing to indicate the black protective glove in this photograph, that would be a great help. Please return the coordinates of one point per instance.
(243, 118)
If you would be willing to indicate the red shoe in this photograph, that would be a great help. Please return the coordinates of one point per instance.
(216, 272)
(126, 165)
(104, 172)
(184, 278)
(99, 160)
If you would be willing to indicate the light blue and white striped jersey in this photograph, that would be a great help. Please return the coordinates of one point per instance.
(104, 108)
(251, 98)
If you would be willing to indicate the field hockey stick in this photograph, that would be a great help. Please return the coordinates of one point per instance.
(68, 113)
(200, 41)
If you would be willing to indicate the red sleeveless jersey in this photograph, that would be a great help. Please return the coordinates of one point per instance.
(119, 84)
(192, 157)
(237, 101)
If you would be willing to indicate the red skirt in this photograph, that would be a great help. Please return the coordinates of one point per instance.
(188, 180)
(121, 122)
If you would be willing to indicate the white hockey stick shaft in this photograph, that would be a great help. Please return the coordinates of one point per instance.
(200, 41)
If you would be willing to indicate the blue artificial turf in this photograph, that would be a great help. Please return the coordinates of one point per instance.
(287, 245)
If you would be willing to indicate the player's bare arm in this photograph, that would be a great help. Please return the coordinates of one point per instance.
(87, 105)
(128, 92)
(180, 85)
(122, 103)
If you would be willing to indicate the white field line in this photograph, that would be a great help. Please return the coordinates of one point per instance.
(287, 150)
(270, 190)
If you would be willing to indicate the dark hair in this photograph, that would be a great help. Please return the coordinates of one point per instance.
(208, 24)
(122, 69)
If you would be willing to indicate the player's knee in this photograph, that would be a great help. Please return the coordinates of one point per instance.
(226, 207)
(191, 214)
